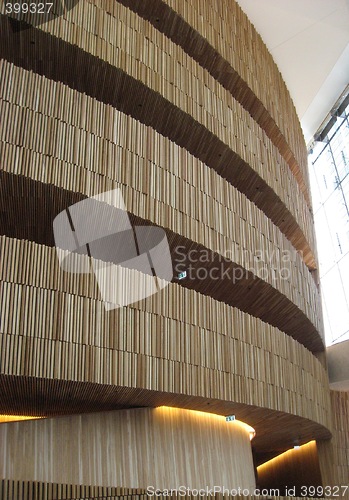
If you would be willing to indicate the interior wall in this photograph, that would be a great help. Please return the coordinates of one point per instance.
(161, 447)
(293, 469)
(334, 453)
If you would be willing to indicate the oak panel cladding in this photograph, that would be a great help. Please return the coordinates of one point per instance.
(101, 148)
(209, 272)
(175, 440)
(34, 490)
(338, 460)
(99, 99)
(175, 27)
(233, 36)
(236, 151)
(177, 341)
(297, 467)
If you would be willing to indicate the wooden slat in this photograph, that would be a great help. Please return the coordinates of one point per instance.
(161, 186)
(239, 165)
(164, 343)
(164, 19)
(98, 448)
(115, 102)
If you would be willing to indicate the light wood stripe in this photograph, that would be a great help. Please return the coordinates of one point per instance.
(166, 20)
(171, 177)
(265, 193)
(231, 33)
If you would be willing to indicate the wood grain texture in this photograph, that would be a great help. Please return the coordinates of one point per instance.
(232, 35)
(212, 274)
(180, 447)
(236, 156)
(294, 468)
(334, 453)
(164, 19)
(34, 490)
(179, 341)
(111, 101)
(161, 183)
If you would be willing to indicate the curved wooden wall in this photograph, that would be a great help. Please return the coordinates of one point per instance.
(334, 453)
(195, 119)
(167, 186)
(166, 343)
(228, 30)
(175, 441)
(106, 97)
(295, 468)
(171, 19)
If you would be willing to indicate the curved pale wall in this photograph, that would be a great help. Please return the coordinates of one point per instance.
(162, 447)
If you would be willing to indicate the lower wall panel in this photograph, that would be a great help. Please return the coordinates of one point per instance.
(20, 490)
(294, 471)
(161, 447)
(334, 453)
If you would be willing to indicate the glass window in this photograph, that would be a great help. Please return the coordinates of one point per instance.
(329, 179)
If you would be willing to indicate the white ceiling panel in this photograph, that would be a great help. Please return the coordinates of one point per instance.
(309, 41)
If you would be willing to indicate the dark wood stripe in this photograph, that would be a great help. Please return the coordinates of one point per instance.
(42, 53)
(166, 20)
(27, 210)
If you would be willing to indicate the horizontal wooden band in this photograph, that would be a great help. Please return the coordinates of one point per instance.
(28, 209)
(61, 61)
(275, 430)
(169, 22)
(36, 490)
(100, 148)
(168, 435)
